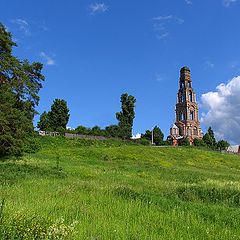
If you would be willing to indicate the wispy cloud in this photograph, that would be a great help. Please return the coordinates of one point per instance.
(162, 36)
(98, 8)
(227, 3)
(189, 2)
(208, 64)
(23, 26)
(49, 60)
(161, 24)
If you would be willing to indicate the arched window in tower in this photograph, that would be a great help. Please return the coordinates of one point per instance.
(190, 96)
(181, 116)
(192, 115)
(183, 97)
(195, 131)
(180, 98)
(189, 84)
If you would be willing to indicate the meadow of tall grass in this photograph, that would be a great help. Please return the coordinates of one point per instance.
(85, 189)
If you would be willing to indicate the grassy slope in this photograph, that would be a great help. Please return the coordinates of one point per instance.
(118, 191)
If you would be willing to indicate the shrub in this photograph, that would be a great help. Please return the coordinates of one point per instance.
(32, 145)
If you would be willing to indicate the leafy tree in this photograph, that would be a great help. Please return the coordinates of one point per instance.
(209, 138)
(112, 131)
(222, 145)
(211, 133)
(147, 135)
(82, 130)
(20, 82)
(59, 115)
(44, 123)
(157, 136)
(126, 116)
(184, 142)
(97, 131)
(199, 142)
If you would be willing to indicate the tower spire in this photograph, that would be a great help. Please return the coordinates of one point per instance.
(187, 108)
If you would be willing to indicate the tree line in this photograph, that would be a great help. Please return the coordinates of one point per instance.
(57, 118)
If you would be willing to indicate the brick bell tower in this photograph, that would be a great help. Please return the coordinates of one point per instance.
(187, 123)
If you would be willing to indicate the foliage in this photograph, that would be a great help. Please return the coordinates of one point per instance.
(199, 142)
(82, 130)
(56, 119)
(126, 116)
(20, 82)
(59, 115)
(142, 141)
(112, 131)
(209, 139)
(222, 145)
(44, 122)
(157, 136)
(184, 142)
(32, 144)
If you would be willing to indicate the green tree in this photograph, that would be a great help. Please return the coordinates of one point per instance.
(147, 135)
(97, 131)
(112, 131)
(20, 82)
(222, 145)
(44, 123)
(82, 130)
(59, 115)
(126, 116)
(184, 142)
(209, 138)
(211, 133)
(157, 136)
(199, 142)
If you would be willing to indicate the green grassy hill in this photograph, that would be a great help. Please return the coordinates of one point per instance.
(82, 189)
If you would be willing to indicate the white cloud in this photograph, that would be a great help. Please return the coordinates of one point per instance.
(98, 8)
(23, 25)
(161, 24)
(227, 3)
(189, 2)
(49, 60)
(223, 110)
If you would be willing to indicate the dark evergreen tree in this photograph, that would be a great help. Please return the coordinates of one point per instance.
(112, 131)
(20, 82)
(222, 145)
(59, 115)
(158, 136)
(199, 142)
(126, 116)
(209, 139)
(44, 123)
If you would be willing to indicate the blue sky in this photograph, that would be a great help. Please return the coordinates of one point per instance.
(93, 51)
